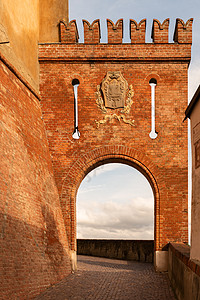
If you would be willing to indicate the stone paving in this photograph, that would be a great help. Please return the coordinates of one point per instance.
(109, 279)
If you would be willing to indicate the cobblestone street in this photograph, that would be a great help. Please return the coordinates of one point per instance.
(109, 279)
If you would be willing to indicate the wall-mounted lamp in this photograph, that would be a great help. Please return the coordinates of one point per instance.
(153, 134)
(76, 133)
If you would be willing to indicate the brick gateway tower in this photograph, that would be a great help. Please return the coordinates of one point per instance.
(131, 103)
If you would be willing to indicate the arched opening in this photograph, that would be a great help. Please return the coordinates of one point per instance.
(94, 158)
(115, 201)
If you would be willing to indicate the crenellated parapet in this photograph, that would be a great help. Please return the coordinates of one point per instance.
(137, 31)
(115, 31)
(69, 32)
(160, 32)
(92, 33)
(183, 31)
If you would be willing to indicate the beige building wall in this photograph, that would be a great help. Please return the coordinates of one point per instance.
(22, 24)
(195, 220)
(51, 12)
(19, 29)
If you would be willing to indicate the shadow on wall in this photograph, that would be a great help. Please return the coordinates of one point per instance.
(32, 259)
(53, 247)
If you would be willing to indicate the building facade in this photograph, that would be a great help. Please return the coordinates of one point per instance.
(131, 103)
(192, 112)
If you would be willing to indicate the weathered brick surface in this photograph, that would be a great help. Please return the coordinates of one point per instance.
(33, 243)
(163, 160)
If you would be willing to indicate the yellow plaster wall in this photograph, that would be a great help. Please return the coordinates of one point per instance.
(19, 28)
(51, 12)
(23, 23)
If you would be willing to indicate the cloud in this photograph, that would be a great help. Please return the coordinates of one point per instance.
(90, 189)
(88, 233)
(117, 202)
(102, 170)
(115, 182)
(133, 219)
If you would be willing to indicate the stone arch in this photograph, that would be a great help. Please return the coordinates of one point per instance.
(99, 156)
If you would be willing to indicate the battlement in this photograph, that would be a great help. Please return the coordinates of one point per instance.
(183, 31)
(137, 31)
(115, 31)
(160, 32)
(92, 32)
(69, 32)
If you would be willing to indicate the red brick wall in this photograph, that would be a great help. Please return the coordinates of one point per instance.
(163, 160)
(33, 244)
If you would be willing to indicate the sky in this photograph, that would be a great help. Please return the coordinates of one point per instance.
(137, 10)
(112, 204)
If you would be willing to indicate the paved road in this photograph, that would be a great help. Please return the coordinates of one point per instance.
(109, 279)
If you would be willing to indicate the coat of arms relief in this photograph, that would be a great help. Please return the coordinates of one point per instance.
(117, 98)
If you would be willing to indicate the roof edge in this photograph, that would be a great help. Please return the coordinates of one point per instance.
(192, 103)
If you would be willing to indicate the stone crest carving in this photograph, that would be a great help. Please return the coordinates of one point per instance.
(117, 98)
(114, 88)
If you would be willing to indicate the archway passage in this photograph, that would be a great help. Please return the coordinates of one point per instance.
(115, 201)
(97, 157)
(167, 225)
